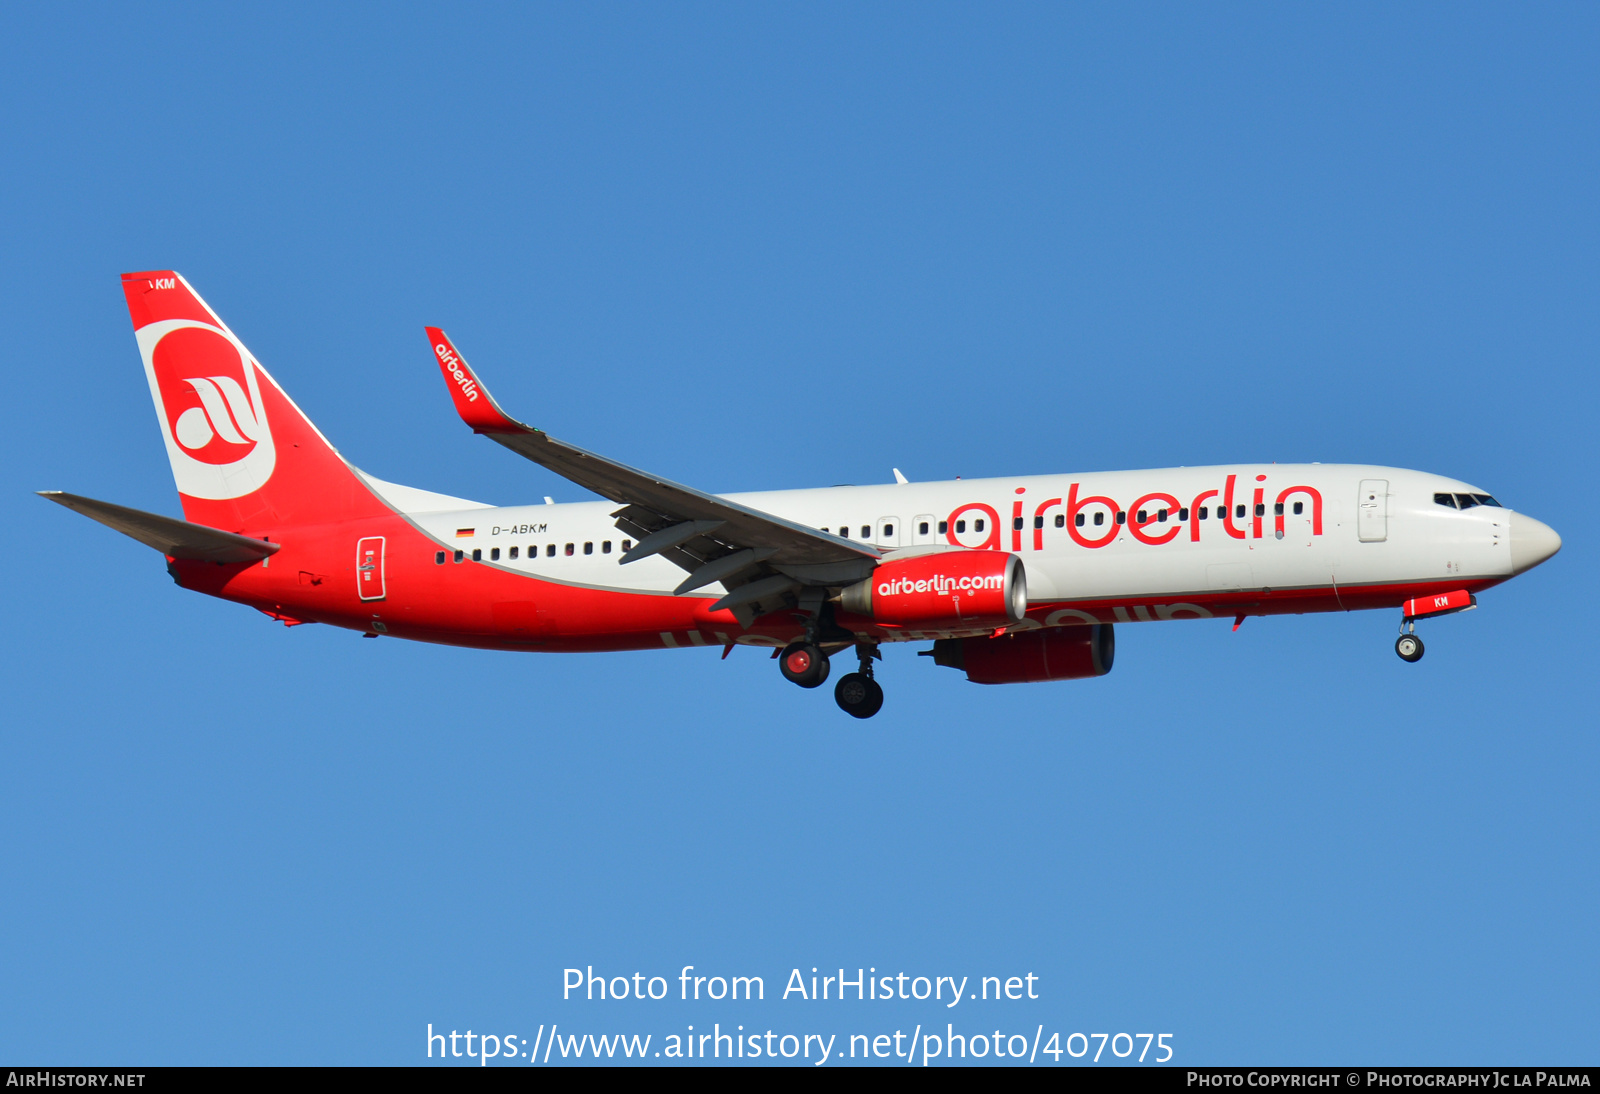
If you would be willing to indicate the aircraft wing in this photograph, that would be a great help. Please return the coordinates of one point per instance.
(172, 537)
(711, 537)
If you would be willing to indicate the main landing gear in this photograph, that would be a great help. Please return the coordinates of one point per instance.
(857, 693)
(803, 663)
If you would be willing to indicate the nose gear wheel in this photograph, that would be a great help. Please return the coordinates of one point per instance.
(1409, 647)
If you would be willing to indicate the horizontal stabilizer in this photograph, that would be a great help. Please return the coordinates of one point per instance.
(172, 537)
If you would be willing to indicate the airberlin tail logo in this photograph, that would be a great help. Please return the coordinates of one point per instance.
(224, 414)
(208, 396)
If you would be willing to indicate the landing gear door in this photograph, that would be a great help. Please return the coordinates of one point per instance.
(369, 568)
(1372, 511)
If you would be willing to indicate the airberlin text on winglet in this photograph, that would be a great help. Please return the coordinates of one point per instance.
(452, 365)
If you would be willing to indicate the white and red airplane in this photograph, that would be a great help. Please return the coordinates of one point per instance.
(1013, 580)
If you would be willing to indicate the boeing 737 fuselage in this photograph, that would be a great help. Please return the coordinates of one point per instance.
(1013, 580)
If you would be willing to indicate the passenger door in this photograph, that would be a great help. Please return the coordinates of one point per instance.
(369, 568)
(1372, 511)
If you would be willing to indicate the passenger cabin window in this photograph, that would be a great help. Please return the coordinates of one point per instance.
(605, 548)
(944, 527)
(438, 558)
(1183, 514)
(1299, 507)
(550, 550)
(1122, 517)
(844, 533)
(1205, 512)
(866, 531)
(1061, 520)
(1016, 523)
(460, 555)
(1238, 511)
(512, 553)
(888, 531)
(1261, 508)
(977, 525)
(922, 528)
(1161, 515)
(569, 549)
(588, 548)
(1144, 516)
(1277, 509)
(1099, 518)
(494, 554)
(477, 554)
(1078, 520)
(627, 545)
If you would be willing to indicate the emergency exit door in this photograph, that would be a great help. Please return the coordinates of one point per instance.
(369, 568)
(1372, 511)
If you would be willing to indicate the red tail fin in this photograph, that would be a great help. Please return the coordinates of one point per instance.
(244, 456)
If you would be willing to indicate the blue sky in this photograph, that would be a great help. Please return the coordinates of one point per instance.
(756, 247)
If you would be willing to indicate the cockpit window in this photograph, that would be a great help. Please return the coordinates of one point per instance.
(1485, 499)
(1466, 501)
(1445, 499)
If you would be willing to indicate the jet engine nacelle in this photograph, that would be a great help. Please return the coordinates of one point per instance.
(1057, 653)
(944, 590)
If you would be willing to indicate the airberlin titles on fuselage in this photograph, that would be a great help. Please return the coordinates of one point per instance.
(1099, 511)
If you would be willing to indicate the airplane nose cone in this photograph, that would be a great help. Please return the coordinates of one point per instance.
(1532, 542)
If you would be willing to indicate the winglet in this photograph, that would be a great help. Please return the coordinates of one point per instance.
(473, 401)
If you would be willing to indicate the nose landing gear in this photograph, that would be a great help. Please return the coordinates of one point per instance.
(1431, 606)
(857, 693)
(1409, 647)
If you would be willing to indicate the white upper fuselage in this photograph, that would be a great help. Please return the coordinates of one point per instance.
(1403, 536)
